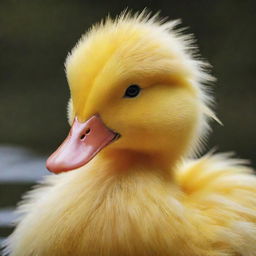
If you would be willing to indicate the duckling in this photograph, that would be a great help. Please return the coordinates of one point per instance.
(128, 180)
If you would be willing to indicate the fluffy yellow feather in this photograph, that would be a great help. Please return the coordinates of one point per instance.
(141, 195)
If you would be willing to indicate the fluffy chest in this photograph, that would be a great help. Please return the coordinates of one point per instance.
(99, 215)
(116, 218)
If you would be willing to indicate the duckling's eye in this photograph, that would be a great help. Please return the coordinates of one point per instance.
(132, 91)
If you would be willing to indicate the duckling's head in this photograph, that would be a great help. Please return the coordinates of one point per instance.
(136, 89)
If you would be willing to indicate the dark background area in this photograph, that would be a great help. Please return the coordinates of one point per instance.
(35, 37)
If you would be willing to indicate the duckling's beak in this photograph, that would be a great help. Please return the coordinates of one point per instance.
(84, 141)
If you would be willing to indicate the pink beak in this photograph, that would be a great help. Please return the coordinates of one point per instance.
(84, 141)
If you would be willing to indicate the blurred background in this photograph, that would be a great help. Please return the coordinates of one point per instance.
(35, 37)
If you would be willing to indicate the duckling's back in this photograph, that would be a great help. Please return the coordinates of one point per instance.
(223, 190)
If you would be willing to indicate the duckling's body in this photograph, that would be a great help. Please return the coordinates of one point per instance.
(141, 195)
(208, 208)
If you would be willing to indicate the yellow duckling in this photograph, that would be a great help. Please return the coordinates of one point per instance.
(138, 109)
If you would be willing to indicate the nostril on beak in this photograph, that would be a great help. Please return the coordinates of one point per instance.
(82, 137)
(86, 133)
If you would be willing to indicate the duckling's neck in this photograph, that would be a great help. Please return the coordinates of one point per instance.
(128, 160)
